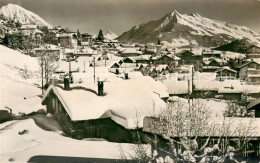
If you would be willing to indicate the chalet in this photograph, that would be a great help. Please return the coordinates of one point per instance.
(253, 52)
(226, 131)
(255, 105)
(227, 89)
(213, 65)
(189, 58)
(226, 73)
(48, 49)
(170, 60)
(85, 52)
(250, 72)
(128, 60)
(146, 59)
(86, 39)
(160, 69)
(115, 68)
(253, 49)
(66, 40)
(211, 54)
(115, 113)
(130, 52)
(28, 29)
(142, 66)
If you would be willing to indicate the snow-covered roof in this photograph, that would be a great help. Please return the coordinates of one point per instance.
(143, 57)
(85, 51)
(230, 86)
(65, 35)
(176, 87)
(28, 26)
(130, 50)
(47, 47)
(65, 67)
(253, 104)
(124, 100)
(227, 86)
(226, 68)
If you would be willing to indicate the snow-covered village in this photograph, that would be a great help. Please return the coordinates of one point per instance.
(180, 86)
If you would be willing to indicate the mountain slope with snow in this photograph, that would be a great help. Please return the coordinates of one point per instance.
(18, 93)
(19, 14)
(110, 35)
(177, 29)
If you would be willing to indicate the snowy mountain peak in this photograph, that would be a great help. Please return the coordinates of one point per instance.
(175, 12)
(110, 35)
(19, 14)
(175, 29)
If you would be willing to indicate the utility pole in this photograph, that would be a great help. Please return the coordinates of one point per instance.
(42, 72)
(69, 66)
(94, 69)
(84, 66)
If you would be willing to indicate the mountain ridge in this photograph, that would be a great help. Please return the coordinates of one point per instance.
(177, 29)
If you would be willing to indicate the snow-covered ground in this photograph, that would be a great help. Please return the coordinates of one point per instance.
(20, 148)
(17, 93)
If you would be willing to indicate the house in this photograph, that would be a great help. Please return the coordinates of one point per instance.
(170, 60)
(159, 69)
(146, 59)
(250, 72)
(213, 65)
(227, 89)
(48, 49)
(253, 52)
(226, 73)
(66, 40)
(128, 60)
(253, 49)
(115, 68)
(129, 52)
(226, 130)
(108, 110)
(28, 29)
(211, 54)
(255, 105)
(86, 39)
(189, 58)
(85, 52)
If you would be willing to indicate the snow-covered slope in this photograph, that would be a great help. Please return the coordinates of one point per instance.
(177, 29)
(20, 148)
(18, 93)
(19, 14)
(110, 35)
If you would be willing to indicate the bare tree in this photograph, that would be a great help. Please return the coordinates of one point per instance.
(237, 108)
(194, 135)
(48, 64)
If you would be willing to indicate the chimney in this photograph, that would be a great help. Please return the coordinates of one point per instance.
(66, 83)
(126, 76)
(100, 88)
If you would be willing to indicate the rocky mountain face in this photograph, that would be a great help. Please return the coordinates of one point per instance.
(19, 14)
(179, 30)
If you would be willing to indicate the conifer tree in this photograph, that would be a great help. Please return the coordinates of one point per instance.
(100, 36)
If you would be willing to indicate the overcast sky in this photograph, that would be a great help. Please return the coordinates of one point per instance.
(121, 15)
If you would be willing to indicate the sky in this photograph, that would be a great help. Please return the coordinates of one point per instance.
(119, 16)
